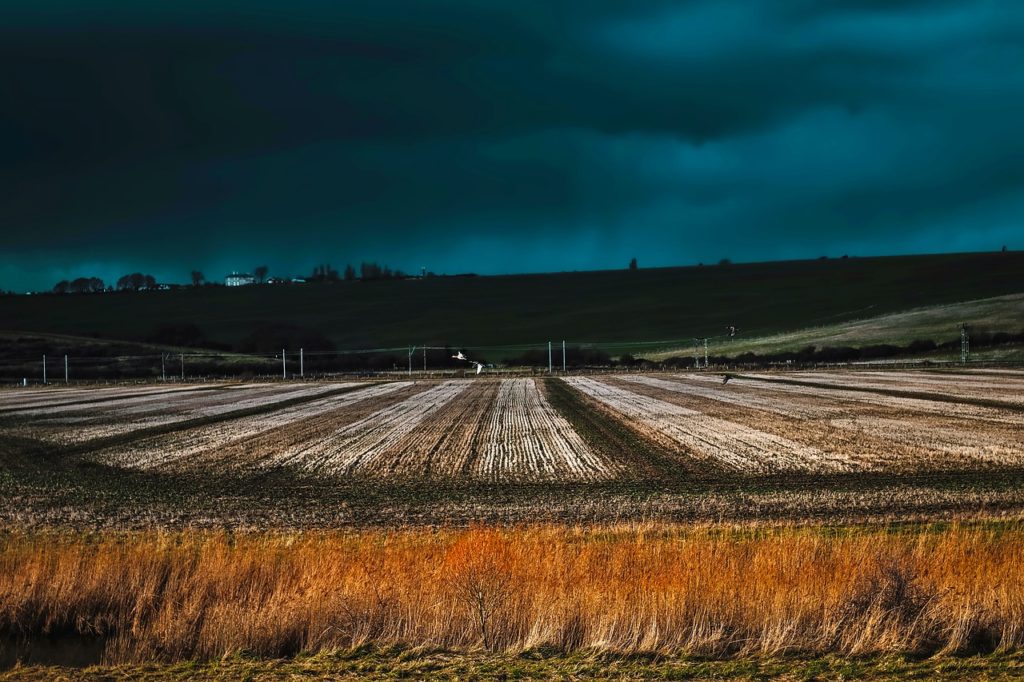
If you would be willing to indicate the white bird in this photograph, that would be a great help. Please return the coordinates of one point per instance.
(459, 356)
(479, 365)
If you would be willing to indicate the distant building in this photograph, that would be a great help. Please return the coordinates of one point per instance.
(239, 279)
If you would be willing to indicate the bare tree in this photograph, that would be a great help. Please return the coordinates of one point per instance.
(197, 278)
(324, 273)
(483, 586)
(261, 272)
(136, 281)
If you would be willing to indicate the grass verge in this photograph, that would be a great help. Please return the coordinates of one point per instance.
(391, 664)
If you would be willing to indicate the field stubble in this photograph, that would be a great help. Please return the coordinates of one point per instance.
(671, 447)
(869, 436)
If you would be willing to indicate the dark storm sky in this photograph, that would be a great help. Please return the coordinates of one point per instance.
(501, 136)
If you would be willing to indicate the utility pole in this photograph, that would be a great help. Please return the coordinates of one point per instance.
(549, 357)
(163, 368)
(563, 356)
(424, 358)
(965, 343)
(44, 369)
(284, 365)
(302, 364)
(65, 368)
(696, 352)
(412, 349)
(182, 366)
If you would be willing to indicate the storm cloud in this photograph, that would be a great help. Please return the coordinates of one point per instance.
(502, 136)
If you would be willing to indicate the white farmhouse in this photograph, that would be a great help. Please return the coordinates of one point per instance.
(239, 279)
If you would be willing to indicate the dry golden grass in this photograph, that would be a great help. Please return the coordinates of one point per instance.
(715, 591)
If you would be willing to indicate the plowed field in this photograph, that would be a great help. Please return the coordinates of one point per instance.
(645, 444)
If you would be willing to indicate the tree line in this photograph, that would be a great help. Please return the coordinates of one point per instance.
(82, 285)
(367, 271)
(137, 281)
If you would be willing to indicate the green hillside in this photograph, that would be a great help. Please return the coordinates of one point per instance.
(626, 310)
(937, 323)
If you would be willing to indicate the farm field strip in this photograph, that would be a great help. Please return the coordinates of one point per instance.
(527, 439)
(824, 403)
(120, 419)
(993, 370)
(638, 426)
(729, 394)
(941, 431)
(22, 399)
(129, 409)
(876, 439)
(493, 430)
(197, 402)
(1011, 392)
(922, 405)
(29, 397)
(633, 455)
(994, 378)
(948, 380)
(936, 443)
(50, 392)
(807, 424)
(950, 439)
(446, 445)
(718, 441)
(260, 450)
(199, 405)
(359, 447)
(192, 445)
(117, 403)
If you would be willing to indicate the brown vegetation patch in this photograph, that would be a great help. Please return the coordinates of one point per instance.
(646, 589)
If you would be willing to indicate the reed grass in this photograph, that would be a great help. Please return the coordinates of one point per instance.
(713, 591)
